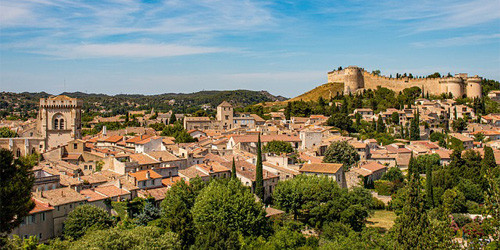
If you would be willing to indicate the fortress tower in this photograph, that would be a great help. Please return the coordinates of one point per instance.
(355, 78)
(59, 120)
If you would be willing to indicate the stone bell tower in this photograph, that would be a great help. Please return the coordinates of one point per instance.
(59, 120)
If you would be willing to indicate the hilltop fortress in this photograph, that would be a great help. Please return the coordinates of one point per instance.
(355, 79)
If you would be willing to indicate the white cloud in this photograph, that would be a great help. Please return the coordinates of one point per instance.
(458, 41)
(134, 50)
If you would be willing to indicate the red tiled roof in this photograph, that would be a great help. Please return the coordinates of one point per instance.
(115, 138)
(328, 168)
(141, 175)
(40, 207)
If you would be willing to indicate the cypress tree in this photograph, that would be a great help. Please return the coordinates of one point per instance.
(415, 128)
(380, 125)
(233, 170)
(259, 178)
(411, 229)
(288, 110)
(488, 161)
(172, 119)
(429, 189)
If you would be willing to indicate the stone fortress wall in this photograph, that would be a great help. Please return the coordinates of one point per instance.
(355, 79)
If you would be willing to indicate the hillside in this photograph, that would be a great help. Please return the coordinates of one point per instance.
(118, 104)
(326, 91)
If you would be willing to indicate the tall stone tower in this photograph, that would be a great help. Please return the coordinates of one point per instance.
(59, 120)
(353, 79)
(225, 115)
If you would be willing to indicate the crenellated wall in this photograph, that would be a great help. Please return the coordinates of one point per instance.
(355, 78)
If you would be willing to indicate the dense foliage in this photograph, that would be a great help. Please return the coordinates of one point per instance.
(86, 217)
(16, 182)
(278, 147)
(341, 152)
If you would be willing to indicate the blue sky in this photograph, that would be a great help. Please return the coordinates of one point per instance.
(284, 47)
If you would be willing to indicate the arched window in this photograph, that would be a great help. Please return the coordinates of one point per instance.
(56, 123)
(61, 124)
(33, 150)
(18, 153)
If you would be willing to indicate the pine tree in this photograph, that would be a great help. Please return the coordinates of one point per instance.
(259, 178)
(233, 170)
(429, 189)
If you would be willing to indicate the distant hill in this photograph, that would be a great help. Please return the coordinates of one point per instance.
(326, 91)
(184, 102)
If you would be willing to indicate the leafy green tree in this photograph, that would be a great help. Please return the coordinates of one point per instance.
(149, 213)
(394, 174)
(16, 182)
(341, 152)
(158, 126)
(286, 238)
(459, 125)
(439, 137)
(176, 211)
(148, 237)
(86, 217)
(423, 161)
(341, 121)
(320, 200)
(259, 178)
(224, 208)
(454, 201)
(6, 132)
(278, 147)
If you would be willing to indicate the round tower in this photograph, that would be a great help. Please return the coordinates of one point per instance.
(353, 79)
(452, 85)
(473, 88)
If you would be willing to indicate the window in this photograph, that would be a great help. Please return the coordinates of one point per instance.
(58, 208)
(33, 218)
(18, 153)
(75, 146)
(56, 123)
(61, 124)
(42, 216)
(40, 236)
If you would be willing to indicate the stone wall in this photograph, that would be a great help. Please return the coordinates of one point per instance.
(355, 79)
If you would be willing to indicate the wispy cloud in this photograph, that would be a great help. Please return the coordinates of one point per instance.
(104, 27)
(458, 41)
(137, 50)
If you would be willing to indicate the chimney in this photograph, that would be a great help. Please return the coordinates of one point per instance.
(148, 175)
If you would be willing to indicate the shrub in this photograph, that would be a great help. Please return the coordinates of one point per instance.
(461, 219)
(377, 204)
(384, 187)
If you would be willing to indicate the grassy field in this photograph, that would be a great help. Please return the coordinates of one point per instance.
(381, 219)
(326, 91)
